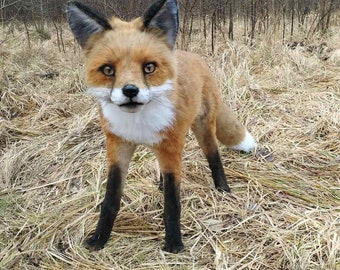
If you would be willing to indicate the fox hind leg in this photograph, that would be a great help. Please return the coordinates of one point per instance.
(204, 129)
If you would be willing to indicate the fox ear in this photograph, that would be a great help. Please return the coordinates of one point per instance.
(84, 22)
(163, 15)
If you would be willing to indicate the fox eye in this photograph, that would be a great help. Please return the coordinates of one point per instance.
(149, 68)
(107, 70)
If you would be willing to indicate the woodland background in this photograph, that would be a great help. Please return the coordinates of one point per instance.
(212, 16)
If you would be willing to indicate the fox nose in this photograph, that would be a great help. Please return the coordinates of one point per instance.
(130, 90)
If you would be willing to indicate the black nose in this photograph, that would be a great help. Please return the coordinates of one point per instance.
(130, 90)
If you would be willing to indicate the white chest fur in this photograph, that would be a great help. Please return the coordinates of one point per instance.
(142, 127)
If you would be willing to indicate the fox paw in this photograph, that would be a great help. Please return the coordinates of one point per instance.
(224, 189)
(174, 247)
(94, 243)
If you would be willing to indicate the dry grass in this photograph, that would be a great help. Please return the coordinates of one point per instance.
(283, 212)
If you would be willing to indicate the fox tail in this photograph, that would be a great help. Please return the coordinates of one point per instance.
(231, 132)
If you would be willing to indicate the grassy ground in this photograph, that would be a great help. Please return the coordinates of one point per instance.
(284, 209)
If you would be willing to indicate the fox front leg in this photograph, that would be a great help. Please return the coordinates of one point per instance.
(170, 159)
(109, 210)
(118, 156)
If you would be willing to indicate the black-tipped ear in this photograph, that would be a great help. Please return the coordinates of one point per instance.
(84, 22)
(163, 15)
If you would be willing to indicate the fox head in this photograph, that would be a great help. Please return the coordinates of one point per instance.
(129, 65)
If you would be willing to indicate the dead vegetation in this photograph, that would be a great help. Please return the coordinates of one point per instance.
(283, 212)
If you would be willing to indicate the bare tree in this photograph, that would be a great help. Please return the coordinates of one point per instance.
(218, 16)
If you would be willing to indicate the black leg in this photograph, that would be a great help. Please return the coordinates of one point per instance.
(172, 213)
(161, 183)
(109, 210)
(217, 171)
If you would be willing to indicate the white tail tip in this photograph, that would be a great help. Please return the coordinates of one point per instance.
(248, 144)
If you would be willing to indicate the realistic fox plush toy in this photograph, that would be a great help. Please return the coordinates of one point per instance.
(151, 94)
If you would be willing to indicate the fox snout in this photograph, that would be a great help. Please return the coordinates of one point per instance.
(130, 98)
(132, 102)
(130, 90)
